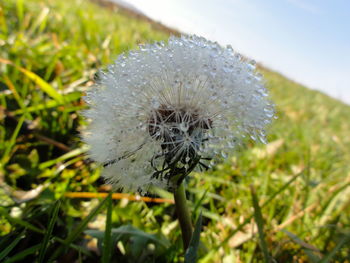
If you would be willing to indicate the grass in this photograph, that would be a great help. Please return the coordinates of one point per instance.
(49, 53)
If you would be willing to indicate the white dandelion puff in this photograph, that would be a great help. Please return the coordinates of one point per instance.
(165, 109)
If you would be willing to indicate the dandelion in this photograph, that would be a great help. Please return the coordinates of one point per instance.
(166, 109)
(162, 111)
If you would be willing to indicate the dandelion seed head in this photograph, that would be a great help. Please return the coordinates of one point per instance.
(170, 108)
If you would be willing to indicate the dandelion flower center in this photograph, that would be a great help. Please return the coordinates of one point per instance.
(181, 133)
(173, 126)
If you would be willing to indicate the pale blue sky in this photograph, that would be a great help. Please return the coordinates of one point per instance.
(306, 40)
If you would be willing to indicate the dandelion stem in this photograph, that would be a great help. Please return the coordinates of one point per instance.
(183, 215)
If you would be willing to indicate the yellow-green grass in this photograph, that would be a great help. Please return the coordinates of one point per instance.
(49, 53)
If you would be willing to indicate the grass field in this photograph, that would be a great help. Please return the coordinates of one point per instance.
(49, 53)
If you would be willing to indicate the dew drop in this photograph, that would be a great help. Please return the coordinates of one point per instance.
(253, 137)
(262, 139)
(223, 154)
(155, 103)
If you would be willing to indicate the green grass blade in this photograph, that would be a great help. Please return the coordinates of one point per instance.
(5, 157)
(191, 252)
(280, 190)
(49, 104)
(29, 226)
(48, 233)
(332, 253)
(63, 157)
(16, 96)
(4, 240)
(21, 255)
(78, 230)
(20, 12)
(200, 201)
(248, 219)
(83, 224)
(3, 24)
(128, 230)
(39, 22)
(306, 247)
(20, 222)
(78, 248)
(260, 223)
(9, 248)
(107, 240)
(44, 86)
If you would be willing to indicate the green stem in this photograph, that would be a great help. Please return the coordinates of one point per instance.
(183, 215)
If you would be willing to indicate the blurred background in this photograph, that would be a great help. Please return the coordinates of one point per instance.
(52, 205)
(307, 40)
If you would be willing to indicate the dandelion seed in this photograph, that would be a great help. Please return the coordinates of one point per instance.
(167, 109)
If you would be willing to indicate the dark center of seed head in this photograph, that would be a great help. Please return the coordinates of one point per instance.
(172, 121)
(171, 126)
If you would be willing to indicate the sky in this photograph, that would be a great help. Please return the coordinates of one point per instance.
(305, 40)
